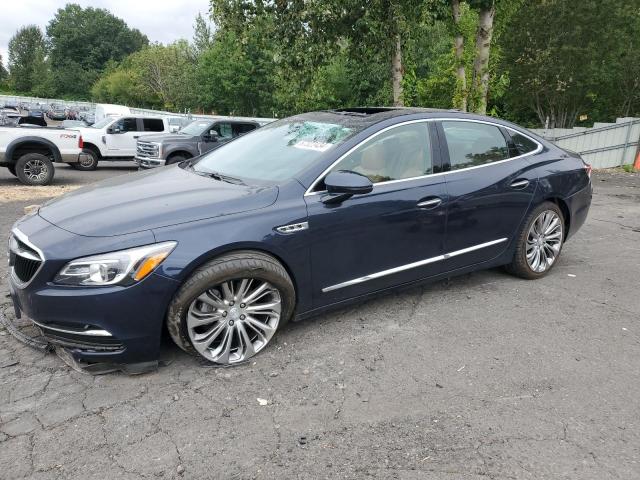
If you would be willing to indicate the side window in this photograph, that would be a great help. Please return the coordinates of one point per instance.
(471, 144)
(402, 152)
(152, 125)
(225, 130)
(127, 125)
(522, 143)
(242, 128)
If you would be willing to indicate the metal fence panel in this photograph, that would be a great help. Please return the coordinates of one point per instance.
(605, 145)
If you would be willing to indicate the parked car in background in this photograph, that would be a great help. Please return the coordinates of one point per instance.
(114, 138)
(193, 140)
(35, 111)
(57, 112)
(9, 116)
(32, 121)
(306, 214)
(29, 153)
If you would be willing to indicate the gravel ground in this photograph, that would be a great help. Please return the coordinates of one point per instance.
(486, 376)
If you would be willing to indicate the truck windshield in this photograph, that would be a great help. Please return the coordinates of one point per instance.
(275, 152)
(102, 123)
(196, 128)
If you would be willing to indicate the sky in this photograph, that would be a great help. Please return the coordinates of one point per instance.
(160, 20)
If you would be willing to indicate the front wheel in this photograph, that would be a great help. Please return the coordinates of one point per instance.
(34, 169)
(539, 242)
(231, 307)
(87, 162)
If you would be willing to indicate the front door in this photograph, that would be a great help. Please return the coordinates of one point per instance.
(123, 143)
(490, 186)
(390, 236)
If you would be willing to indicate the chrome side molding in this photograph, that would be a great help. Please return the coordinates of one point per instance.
(409, 266)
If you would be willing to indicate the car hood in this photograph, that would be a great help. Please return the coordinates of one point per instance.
(164, 137)
(146, 200)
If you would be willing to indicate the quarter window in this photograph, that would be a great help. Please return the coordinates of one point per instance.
(242, 128)
(399, 153)
(471, 144)
(523, 144)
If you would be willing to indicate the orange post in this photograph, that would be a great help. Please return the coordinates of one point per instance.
(636, 164)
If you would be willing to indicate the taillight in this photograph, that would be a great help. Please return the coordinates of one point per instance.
(587, 168)
(81, 143)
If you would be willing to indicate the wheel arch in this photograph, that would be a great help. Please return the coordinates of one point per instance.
(241, 247)
(24, 145)
(564, 208)
(93, 147)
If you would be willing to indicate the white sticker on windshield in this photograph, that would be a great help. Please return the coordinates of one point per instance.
(309, 145)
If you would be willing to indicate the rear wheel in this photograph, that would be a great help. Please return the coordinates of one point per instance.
(230, 308)
(34, 169)
(539, 242)
(87, 162)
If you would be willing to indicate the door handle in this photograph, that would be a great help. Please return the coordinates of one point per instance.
(136, 136)
(520, 184)
(430, 204)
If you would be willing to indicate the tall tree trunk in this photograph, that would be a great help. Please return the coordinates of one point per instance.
(458, 45)
(481, 63)
(396, 72)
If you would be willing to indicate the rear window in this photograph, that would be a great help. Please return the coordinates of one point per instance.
(471, 144)
(152, 125)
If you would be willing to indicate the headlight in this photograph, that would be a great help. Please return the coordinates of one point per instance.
(123, 267)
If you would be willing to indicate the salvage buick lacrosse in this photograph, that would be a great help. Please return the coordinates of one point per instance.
(305, 214)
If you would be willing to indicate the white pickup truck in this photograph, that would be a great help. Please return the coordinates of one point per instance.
(29, 152)
(114, 138)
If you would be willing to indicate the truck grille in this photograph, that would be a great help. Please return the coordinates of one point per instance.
(24, 259)
(146, 150)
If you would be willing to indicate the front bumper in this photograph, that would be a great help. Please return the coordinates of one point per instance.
(74, 158)
(109, 326)
(145, 162)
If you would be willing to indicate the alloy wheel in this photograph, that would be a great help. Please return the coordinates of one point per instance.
(544, 241)
(234, 320)
(35, 170)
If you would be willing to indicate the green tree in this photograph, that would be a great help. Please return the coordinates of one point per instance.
(202, 34)
(82, 42)
(25, 51)
(3, 71)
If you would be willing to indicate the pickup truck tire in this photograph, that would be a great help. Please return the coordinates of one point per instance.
(90, 163)
(34, 169)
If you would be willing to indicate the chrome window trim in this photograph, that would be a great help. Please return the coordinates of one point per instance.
(91, 333)
(25, 239)
(309, 192)
(409, 266)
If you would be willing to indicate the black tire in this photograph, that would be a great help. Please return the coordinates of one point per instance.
(175, 159)
(34, 169)
(519, 265)
(91, 163)
(12, 170)
(240, 264)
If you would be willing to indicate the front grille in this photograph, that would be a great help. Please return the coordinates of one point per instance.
(24, 260)
(147, 150)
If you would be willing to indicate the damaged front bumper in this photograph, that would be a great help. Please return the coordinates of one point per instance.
(65, 343)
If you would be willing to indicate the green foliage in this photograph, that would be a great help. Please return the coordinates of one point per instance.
(26, 54)
(82, 42)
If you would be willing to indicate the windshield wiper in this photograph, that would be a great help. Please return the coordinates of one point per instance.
(225, 178)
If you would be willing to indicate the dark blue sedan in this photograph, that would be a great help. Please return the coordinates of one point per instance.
(306, 214)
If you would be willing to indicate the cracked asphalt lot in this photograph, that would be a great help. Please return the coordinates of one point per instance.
(486, 376)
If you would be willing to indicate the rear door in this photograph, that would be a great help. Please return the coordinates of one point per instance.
(490, 186)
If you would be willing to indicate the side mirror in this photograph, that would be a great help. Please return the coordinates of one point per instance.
(212, 136)
(114, 130)
(342, 184)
